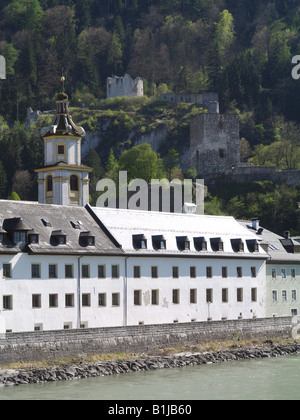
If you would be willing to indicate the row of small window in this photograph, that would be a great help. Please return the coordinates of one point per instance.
(284, 295)
(283, 273)
(69, 271)
(137, 297)
(115, 273)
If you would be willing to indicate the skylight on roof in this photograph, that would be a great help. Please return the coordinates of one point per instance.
(46, 223)
(76, 225)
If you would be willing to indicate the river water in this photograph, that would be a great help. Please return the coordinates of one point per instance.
(259, 379)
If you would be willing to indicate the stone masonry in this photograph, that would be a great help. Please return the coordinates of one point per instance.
(124, 86)
(214, 143)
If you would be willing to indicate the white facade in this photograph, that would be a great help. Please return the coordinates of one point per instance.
(46, 285)
(63, 180)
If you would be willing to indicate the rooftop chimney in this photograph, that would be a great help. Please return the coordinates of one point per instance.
(287, 234)
(255, 223)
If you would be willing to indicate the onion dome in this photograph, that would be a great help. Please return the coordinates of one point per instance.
(63, 124)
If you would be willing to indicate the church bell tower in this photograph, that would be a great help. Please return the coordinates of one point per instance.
(63, 180)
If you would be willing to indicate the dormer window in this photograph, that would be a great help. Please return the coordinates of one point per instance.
(33, 238)
(59, 237)
(139, 241)
(237, 245)
(87, 239)
(159, 242)
(252, 245)
(183, 243)
(217, 244)
(2, 236)
(200, 244)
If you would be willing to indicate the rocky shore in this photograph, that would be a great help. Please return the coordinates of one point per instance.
(10, 378)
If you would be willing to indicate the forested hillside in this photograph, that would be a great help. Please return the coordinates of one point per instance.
(241, 49)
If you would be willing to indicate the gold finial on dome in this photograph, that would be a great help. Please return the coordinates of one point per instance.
(62, 79)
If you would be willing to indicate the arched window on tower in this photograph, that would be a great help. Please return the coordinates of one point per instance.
(74, 185)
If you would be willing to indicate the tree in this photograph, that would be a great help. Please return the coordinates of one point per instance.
(3, 181)
(115, 53)
(142, 162)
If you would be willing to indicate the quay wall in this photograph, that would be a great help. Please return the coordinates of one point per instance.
(50, 345)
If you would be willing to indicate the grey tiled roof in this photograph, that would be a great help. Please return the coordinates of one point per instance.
(277, 247)
(59, 217)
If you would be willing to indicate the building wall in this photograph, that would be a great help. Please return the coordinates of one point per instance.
(283, 290)
(124, 86)
(214, 143)
(21, 286)
(209, 100)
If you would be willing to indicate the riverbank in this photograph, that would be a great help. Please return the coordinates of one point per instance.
(169, 359)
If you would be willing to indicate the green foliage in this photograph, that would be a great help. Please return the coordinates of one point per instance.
(14, 196)
(142, 162)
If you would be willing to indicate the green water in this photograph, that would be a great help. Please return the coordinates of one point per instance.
(262, 379)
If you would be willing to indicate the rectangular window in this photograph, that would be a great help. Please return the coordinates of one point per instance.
(85, 271)
(254, 294)
(35, 271)
(52, 271)
(175, 271)
(86, 299)
(239, 295)
(101, 272)
(283, 273)
(115, 298)
(60, 149)
(293, 273)
(274, 295)
(137, 297)
(69, 271)
(154, 297)
(53, 301)
(225, 295)
(253, 272)
(176, 296)
(239, 272)
(294, 312)
(294, 294)
(7, 271)
(136, 271)
(154, 272)
(224, 272)
(209, 295)
(69, 300)
(102, 299)
(36, 301)
(209, 272)
(193, 272)
(274, 273)
(8, 303)
(115, 271)
(193, 295)
(284, 295)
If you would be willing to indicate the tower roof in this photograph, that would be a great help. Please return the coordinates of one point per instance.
(62, 123)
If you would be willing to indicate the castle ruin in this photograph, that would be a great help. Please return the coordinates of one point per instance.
(124, 86)
(214, 143)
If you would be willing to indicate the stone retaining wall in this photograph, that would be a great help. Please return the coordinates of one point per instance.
(48, 345)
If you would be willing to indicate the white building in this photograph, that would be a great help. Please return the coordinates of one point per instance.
(70, 267)
(63, 179)
(63, 265)
(282, 271)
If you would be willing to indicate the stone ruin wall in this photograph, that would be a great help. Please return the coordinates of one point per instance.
(124, 86)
